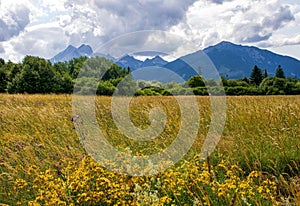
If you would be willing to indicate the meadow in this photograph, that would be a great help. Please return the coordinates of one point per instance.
(257, 161)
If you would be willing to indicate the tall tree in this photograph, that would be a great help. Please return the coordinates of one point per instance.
(256, 76)
(279, 72)
(3, 80)
(265, 74)
(2, 62)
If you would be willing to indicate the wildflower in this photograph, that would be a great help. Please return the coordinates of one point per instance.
(20, 184)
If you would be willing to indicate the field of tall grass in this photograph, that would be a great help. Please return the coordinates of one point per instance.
(257, 161)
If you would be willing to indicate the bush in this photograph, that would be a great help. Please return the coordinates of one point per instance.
(106, 88)
(243, 91)
(200, 91)
(196, 81)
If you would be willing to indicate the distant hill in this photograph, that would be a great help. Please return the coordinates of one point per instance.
(231, 60)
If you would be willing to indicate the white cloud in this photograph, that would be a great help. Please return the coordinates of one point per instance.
(107, 19)
(280, 40)
(2, 50)
(240, 21)
(38, 41)
(13, 20)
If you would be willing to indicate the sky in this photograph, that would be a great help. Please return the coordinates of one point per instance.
(46, 27)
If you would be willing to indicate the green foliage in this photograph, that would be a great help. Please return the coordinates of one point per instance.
(210, 83)
(115, 72)
(101, 76)
(86, 86)
(127, 87)
(74, 66)
(105, 88)
(200, 91)
(65, 84)
(36, 76)
(224, 81)
(196, 81)
(238, 83)
(3, 79)
(256, 76)
(265, 74)
(239, 90)
(151, 91)
(276, 86)
(279, 72)
(2, 62)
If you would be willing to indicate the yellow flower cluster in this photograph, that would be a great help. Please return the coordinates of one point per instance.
(190, 183)
(20, 184)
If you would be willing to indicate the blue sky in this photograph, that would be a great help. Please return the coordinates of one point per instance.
(45, 27)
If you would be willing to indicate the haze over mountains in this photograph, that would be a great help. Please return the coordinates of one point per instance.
(231, 60)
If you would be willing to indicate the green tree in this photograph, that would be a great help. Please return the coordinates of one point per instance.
(256, 76)
(3, 80)
(127, 86)
(274, 85)
(65, 84)
(106, 88)
(279, 72)
(36, 75)
(196, 81)
(3, 76)
(210, 82)
(2, 62)
(264, 74)
(115, 72)
(13, 69)
(27, 81)
(223, 81)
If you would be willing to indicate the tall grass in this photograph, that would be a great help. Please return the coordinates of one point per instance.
(261, 134)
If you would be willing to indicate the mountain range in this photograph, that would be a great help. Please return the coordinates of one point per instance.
(231, 60)
(130, 61)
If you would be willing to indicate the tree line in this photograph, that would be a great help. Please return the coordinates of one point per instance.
(37, 75)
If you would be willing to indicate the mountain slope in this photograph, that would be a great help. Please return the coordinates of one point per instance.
(156, 61)
(236, 61)
(72, 52)
(129, 61)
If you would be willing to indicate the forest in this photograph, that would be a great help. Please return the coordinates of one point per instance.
(35, 75)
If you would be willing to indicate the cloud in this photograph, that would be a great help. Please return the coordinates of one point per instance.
(13, 20)
(2, 50)
(38, 41)
(280, 40)
(240, 21)
(106, 19)
(219, 1)
(43, 27)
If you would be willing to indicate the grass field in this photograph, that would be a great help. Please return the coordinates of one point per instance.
(257, 161)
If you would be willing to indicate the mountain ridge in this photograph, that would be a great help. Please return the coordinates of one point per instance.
(231, 60)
